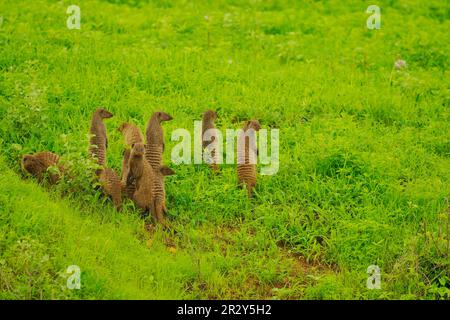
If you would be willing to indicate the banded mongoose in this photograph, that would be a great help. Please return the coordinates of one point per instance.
(160, 193)
(38, 163)
(111, 185)
(247, 154)
(155, 139)
(209, 116)
(141, 171)
(127, 188)
(99, 140)
(131, 133)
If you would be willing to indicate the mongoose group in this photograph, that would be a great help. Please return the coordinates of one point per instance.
(143, 171)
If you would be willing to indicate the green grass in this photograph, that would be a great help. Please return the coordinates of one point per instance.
(364, 148)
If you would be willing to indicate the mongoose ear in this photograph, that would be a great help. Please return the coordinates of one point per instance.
(166, 171)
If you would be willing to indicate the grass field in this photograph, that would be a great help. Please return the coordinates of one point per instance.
(364, 148)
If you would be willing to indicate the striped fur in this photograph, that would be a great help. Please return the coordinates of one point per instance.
(160, 193)
(155, 139)
(247, 169)
(99, 141)
(111, 185)
(38, 163)
(154, 149)
(208, 119)
(128, 187)
(142, 172)
(154, 154)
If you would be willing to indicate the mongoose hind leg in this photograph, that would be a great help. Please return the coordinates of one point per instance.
(250, 188)
(159, 211)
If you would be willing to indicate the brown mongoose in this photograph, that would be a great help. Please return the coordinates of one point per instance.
(110, 182)
(38, 163)
(209, 116)
(131, 133)
(247, 154)
(127, 188)
(99, 140)
(160, 193)
(141, 171)
(155, 139)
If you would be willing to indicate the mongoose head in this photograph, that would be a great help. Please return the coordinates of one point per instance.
(166, 171)
(253, 124)
(138, 149)
(210, 115)
(31, 164)
(123, 126)
(27, 160)
(103, 113)
(162, 116)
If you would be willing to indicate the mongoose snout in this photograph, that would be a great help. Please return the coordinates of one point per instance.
(162, 116)
(104, 114)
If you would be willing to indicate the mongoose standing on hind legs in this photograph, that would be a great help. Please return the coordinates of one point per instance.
(209, 117)
(141, 171)
(99, 140)
(128, 187)
(247, 153)
(155, 139)
(108, 178)
(132, 135)
(38, 163)
(160, 193)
